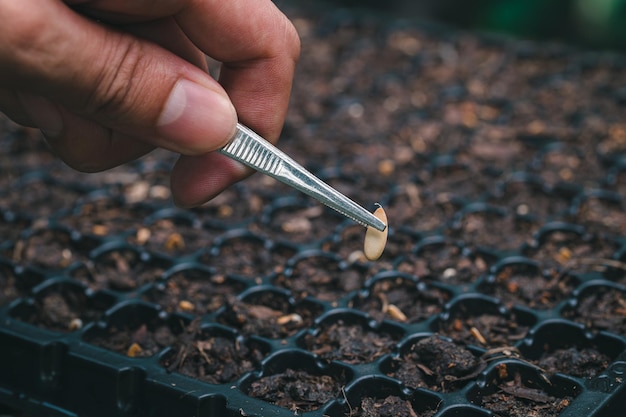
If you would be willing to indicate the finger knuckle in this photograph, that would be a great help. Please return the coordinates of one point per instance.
(26, 40)
(116, 79)
(292, 42)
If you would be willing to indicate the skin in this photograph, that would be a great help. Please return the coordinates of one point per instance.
(109, 80)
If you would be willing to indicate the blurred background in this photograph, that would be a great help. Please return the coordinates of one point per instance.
(598, 24)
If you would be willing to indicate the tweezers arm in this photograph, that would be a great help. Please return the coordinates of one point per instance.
(252, 150)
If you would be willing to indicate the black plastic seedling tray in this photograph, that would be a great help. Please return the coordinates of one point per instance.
(501, 292)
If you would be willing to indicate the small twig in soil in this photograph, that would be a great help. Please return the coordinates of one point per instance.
(345, 397)
(200, 347)
(409, 407)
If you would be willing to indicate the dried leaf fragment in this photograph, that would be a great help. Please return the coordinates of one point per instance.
(376, 240)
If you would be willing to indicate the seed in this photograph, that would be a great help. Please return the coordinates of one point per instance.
(376, 240)
(289, 318)
(478, 336)
(75, 324)
(99, 230)
(186, 306)
(134, 350)
(395, 313)
(143, 235)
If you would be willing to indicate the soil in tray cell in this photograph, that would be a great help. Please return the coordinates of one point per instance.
(435, 364)
(50, 249)
(515, 396)
(11, 228)
(519, 285)
(213, 358)
(485, 330)
(135, 340)
(268, 314)
(301, 224)
(248, 257)
(602, 215)
(476, 230)
(584, 362)
(13, 286)
(392, 406)
(446, 263)
(63, 309)
(39, 199)
(172, 237)
(193, 291)
(297, 390)
(231, 207)
(526, 198)
(322, 277)
(402, 300)
(105, 217)
(567, 250)
(412, 207)
(600, 308)
(349, 343)
(120, 269)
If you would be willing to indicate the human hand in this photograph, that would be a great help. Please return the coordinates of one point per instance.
(108, 80)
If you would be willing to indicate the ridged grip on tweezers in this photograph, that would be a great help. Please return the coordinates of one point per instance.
(245, 148)
(252, 150)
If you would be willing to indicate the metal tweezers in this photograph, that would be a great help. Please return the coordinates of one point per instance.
(252, 150)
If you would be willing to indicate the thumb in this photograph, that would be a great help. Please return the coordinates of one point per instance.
(129, 85)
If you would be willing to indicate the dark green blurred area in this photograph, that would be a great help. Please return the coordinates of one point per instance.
(598, 24)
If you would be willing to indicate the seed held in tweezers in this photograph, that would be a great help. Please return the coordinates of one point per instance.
(376, 240)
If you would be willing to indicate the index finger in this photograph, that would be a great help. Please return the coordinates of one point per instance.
(258, 47)
(254, 40)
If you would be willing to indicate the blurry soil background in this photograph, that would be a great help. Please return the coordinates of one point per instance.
(501, 164)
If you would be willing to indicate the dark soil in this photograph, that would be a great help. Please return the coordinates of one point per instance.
(248, 256)
(563, 250)
(39, 197)
(600, 309)
(193, 291)
(172, 237)
(435, 364)
(268, 314)
(297, 390)
(322, 277)
(349, 343)
(210, 357)
(12, 286)
(135, 340)
(402, 300)
(120, 270)
(485, 330)
(527, 286)
(301, 223)
(514, 397)
(392, 406)
(103, 216)
(579, 362)
(63, 309)
(513, 230)
(446, 262)
(49, 249)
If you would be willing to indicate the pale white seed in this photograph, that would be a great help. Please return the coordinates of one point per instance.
(395, 313)
(376, 240)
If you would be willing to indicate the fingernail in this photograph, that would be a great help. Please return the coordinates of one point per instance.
(198, 119)
(44, 114)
